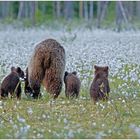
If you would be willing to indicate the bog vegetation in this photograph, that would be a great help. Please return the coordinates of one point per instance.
(77, 118)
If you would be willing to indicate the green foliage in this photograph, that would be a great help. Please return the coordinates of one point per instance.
(38, 16)
(15, 8)
(109, 21)
(45, 14)
(69, 118)
(27, 22)
(7, 20)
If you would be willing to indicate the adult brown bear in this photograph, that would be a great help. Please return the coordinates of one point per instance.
(100, 89)
(11, 83)
(72, 84)
(46, 67)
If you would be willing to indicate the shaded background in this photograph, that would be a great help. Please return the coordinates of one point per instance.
(101, 14)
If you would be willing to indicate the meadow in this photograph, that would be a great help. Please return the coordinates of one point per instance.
(77, 118)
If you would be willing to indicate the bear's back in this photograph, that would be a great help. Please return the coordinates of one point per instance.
(72, 80)
(49, 45)
(52, 51)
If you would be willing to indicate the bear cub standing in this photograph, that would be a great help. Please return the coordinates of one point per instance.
(72, 84)
(11, 83)
(100, 89)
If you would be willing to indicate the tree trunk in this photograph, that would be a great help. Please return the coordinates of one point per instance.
(103, 10)
(58, 9)
(5, 5)
(27, 9)
(134, 8)
(54, 7)
(32, 6)
(81, 9)
(91, 10)
(118, 16)
(98, 14)
(43, 7)
(68, 9)
(0, 10)
(21, 11)
(85, 10)
(130, 9)
(138, 9)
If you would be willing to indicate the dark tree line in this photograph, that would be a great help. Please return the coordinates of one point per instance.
(124, 11)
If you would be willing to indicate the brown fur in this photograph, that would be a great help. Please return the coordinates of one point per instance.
(11, 83)
(72, 84)
(100, 89)
(47, 67)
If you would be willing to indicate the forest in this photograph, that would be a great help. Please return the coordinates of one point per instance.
(100, 14)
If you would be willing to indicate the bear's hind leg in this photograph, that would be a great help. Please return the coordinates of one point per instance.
(36, 91)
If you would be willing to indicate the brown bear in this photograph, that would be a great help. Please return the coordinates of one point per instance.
(46, 67)
(100, 89)
(72, 84)
(11, 83)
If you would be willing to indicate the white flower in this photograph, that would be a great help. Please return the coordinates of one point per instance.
(30, 111)
(21, 120)
(70, 134)
(65, 121)
(123, 101)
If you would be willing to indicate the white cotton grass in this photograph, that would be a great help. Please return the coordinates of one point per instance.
(88, 47)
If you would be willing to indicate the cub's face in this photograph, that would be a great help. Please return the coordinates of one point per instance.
(18, 71)
(101, 79)
(101, 71)
(67, 74)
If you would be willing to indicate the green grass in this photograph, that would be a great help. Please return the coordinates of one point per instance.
(77, 118)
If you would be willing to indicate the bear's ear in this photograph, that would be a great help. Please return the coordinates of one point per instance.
(66, 73)
(13, 69)
(18, 69)
(74, 72)
(106, 68)
(96, 67)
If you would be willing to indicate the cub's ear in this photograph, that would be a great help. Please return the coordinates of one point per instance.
(106, 68)
(13, 69)
(66, 73)
(18, 69)
(96, 67)
(74, 72)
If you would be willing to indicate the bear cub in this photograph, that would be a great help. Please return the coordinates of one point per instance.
(100, 89)
(11, 83)
(72, 84)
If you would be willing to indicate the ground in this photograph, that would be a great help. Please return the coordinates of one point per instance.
(78, 118)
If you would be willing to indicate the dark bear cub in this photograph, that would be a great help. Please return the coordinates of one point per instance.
(11, 83)
(72, 84)
(100, 89)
